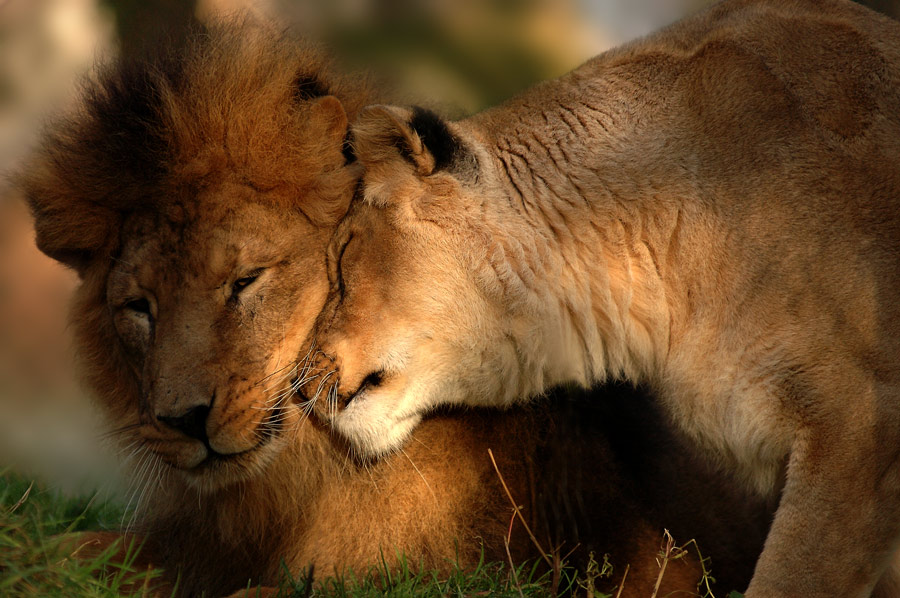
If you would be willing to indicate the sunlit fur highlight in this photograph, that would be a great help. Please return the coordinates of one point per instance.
(141, 184)
(713, 210)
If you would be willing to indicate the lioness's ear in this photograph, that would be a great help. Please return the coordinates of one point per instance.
(418, 135)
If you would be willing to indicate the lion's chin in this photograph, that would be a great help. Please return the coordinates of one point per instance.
(217, 472)
(372, 432)
(198, 465)
(209, 471)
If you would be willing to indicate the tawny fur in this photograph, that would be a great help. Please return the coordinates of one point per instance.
(178, 178)
(713, 210)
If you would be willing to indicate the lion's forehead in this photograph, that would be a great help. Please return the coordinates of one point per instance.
(208, 248)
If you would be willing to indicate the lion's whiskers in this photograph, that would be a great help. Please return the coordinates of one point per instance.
(131, 445)
(137, 482)
(120, 430)
(153, 481)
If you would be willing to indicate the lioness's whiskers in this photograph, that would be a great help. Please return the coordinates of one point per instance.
(276, 392)
(278, 419)
(306, 408)
(135, 448)
(291, 371)
(321, 385)
(276, 402)
(298, 384)
(427, 485)
(289, 375)
(267, 376)
(308, 365)
(307, 359)
(346, 460)
(284, 393)
(299, 380)
(332, 400)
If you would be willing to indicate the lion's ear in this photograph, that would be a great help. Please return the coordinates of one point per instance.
(69, 232)
(327, 114)
(421, 137)
(325, 110)
(327, 132)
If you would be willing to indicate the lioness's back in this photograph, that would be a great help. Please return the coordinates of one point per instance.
(756, 77)
(763, 115)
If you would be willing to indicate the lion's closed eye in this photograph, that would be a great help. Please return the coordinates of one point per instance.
(140, 306)
(242, 283)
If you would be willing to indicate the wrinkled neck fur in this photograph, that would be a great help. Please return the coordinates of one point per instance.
(581, 255)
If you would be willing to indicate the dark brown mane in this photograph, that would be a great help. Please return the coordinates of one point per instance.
(236, 100)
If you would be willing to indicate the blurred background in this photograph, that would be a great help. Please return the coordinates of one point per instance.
(461, 55)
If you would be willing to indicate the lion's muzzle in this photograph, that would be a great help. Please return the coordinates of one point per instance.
(192, 423)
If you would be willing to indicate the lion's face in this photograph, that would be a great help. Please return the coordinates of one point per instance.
(195, 194)
(413, 318)
(211, 307)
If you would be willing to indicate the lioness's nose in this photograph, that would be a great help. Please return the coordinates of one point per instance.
(191, 423)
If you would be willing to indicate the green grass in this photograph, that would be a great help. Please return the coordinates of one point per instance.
(34, 561)
(488, 579)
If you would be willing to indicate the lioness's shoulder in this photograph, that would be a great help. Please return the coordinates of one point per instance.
(792, 33)
(831, 64)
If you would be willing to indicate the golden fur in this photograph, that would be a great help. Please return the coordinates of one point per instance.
(713, 210)
(194, 195)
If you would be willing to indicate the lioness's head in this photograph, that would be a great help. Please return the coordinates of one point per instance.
(194, 195)
(419, 281)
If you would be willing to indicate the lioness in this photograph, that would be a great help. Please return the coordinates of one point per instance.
(194, 195)
(713, 210)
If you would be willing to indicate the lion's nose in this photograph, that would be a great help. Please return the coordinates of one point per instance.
(192, 423)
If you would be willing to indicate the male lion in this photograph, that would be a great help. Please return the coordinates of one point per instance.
(194, 195)
(713, 210)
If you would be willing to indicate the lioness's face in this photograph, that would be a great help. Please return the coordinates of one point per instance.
(211, 307)
(413, 315)
(386, 327)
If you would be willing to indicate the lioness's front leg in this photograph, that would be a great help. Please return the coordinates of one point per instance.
(837, 523)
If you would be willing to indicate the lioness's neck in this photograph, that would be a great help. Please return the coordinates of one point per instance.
(596, 234)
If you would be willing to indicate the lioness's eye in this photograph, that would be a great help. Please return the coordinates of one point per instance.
(242, 283)
(340, 259)
(141, 306)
